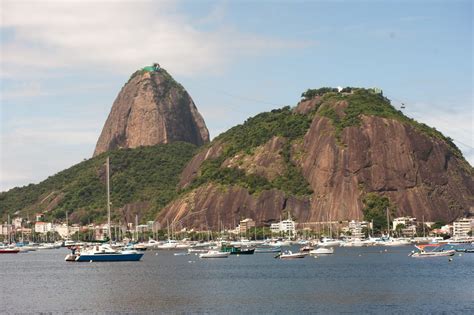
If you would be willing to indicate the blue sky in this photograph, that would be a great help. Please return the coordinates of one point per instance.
(63, 63)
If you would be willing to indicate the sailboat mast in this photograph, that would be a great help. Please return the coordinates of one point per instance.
(108, 199)
(424, 235)
(136, 226)
(8, 229)
(388, 224)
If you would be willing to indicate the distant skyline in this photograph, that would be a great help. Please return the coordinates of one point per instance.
(63, 63)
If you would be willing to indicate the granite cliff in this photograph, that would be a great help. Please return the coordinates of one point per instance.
(152, 108)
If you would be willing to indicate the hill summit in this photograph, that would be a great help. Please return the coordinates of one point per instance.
(152, 108)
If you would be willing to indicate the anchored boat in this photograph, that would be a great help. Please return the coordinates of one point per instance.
(436, 252)
(290, 255)
(106, 253)
(214, 254)
(322, 251)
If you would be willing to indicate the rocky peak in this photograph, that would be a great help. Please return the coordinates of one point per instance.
(152, 108)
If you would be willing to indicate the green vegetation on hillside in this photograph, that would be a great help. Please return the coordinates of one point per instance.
(375, 209)
(147, 174)
(244, 138)
(259, 129)
(368, 102)
(312, 93)
(169, 80)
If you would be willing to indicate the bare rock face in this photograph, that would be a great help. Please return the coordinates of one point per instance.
(151, 109)
(266, 161)
(213, 205)
(418, 173)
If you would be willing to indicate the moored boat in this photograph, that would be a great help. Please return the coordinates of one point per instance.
(170, 244)
(328, 242)
(214, 254)
(322, 251)
(290, 255)
(237, 250)
(306, 249)
(436, 252)
(9, 250)
(106, 253)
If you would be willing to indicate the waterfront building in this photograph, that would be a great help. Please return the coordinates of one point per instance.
(17, 222)
(406, 221)
(462, 227)
(246, 225)
(24, 231)
(275, 227)
(5, 229)
(43, 227)
(287, 226)
(62, 230)
(355, 228)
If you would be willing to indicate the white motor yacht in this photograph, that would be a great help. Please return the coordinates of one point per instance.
(322, 251)
(290, 255)
(328, 242)
(170, 244)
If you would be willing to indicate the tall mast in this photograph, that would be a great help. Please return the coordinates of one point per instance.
(388, 224)
(8, 229)
(424, 226)
(108, 199)
(136, 226)
(67, 226)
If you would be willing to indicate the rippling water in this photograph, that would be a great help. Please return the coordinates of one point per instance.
(353, 280)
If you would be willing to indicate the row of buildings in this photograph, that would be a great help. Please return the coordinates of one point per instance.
(401, 226)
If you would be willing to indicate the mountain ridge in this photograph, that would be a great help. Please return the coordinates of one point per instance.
(317, 160)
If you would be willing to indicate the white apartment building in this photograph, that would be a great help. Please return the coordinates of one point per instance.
(62, 230)
(246, 224)
(406, 221)
(285, 226)
(462, 227)
(43, 227)
(355, 227)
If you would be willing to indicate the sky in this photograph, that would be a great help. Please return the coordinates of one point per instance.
(62, 63)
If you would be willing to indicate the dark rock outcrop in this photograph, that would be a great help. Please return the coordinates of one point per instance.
(152, 109)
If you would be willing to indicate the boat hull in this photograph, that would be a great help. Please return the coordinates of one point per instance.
(9, 251)
(110, 257)
(322, 251)
(434, 254)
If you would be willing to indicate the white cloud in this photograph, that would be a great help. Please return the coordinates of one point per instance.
(120, 36)
(32, 149)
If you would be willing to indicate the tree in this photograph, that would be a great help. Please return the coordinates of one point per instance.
(375, 207)
(399, 229)
(438, 225)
